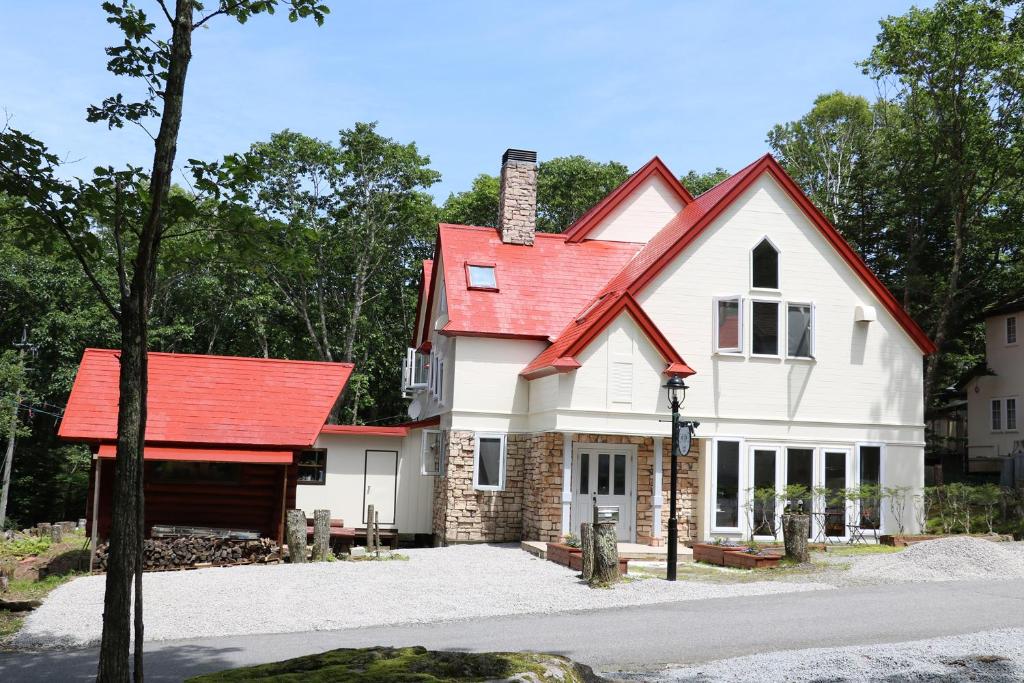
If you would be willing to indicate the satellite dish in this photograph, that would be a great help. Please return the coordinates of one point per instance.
(415, 409)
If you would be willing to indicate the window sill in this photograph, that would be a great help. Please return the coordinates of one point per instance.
(802, 359)
(766, 290)
(765, 356)
(489, 489)
(473, 288)
(729, 354)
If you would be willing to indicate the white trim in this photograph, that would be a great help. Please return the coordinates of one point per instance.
(713, 490)
(658, 498)
(728, 351)
(502, 462)
(566, 482)
(778, 266)
(779, 336)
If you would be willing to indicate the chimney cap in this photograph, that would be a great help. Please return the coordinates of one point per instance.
(518, 155)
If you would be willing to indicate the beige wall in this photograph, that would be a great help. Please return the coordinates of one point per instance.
(342, 493)
(1007, 362)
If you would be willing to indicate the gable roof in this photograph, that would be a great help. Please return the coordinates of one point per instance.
(561, 355)
(579, 230)
(539, 287)
(213, 400)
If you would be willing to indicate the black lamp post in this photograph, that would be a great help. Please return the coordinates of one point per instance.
(674, 386)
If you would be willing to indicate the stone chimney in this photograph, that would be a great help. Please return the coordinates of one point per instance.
(517, 205)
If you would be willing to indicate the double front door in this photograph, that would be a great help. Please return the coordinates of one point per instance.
(605, 474)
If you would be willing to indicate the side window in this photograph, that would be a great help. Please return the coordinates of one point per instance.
(997, 415)
(729, 325)
(727, 484)
(1011, 414)
(432, 452)
(489, 462)
(312, 467)
(800, 330)
(764, 266)
(1011, 330)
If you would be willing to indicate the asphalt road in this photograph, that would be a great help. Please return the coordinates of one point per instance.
(633, 638)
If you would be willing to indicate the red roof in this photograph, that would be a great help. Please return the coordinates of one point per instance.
(215, 400)
(376, 430)
(579, 230)
(540, 288)
(560, 356)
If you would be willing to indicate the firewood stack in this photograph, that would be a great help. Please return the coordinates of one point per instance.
(183, 552)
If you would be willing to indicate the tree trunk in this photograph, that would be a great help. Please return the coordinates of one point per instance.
(297, 536)
(321, 535)
(371, 545)
(606, 555)
(587, 545)
(795, 530)
(56, 533)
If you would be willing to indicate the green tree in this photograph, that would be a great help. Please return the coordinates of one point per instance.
(698, 183)
(957, 71)
(140, 213)
(476, 206)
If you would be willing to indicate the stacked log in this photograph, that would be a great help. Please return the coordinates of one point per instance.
(183, 552)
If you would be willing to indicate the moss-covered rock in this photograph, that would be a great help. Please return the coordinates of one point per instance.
(412, 664)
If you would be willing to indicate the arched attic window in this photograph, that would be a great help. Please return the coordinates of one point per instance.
(764, 266)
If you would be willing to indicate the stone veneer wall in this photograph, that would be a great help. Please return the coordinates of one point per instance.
(542, 500)
(463, 514)
(689, 490)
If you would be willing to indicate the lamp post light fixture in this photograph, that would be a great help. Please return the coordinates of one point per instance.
(676, 388)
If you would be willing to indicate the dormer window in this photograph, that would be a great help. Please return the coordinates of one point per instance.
(764, 266)
(482, 276)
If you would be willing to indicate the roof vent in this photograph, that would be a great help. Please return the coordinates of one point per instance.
(518, 155)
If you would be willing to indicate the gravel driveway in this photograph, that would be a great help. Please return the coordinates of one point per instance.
(439, 584)
(987, 656)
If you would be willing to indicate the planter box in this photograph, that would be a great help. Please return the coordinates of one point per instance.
(560, 553)
(576, 564)
(749, 561)
(714, 554)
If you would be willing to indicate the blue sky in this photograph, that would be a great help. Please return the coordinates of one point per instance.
(698, 83)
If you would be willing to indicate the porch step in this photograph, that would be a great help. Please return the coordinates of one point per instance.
(627, 551)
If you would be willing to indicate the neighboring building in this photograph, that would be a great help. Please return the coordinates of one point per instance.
(993, 398)
(543, 356)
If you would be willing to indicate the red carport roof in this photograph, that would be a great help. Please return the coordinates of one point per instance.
(199, 454)
(210, 400)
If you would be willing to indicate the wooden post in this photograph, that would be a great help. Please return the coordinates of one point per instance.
(370, 539)
(56, 533)
(296, 536)
(376, 531)
(587, 545)
(606, 554)
(95, 513)
(795, 530)
(321, 535)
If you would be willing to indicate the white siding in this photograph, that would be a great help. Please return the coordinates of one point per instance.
(488, 393)
(639, 217)
(342, 493)
(1007, 362)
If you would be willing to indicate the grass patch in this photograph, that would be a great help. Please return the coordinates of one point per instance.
(858, 550)
(26, 589)
(380, 664)
(370, 557)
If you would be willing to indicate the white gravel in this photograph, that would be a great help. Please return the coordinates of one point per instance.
(986, 656)
(946, 559)
(442, 584)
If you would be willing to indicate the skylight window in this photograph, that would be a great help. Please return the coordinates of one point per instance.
(481, 276)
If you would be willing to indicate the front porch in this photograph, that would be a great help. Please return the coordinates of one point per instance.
(552, 479)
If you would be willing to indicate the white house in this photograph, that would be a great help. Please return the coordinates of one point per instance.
(993, 400)
(537, 363)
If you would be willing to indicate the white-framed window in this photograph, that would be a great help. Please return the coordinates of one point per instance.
(1011, 329)
(728, 315)
(869, 473)
(481, 276)
(1004, 414)
(435, 383)
(799, 330)
(432, 452)
(764, 328)
(416, 371)
(489, 462)
(764, 266)
(725, 478)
